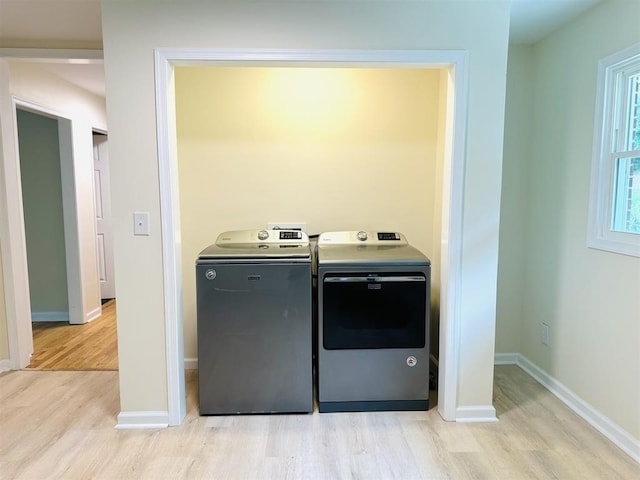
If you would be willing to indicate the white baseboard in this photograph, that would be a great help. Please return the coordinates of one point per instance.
(95, 313)
(620, 437)
(49, 316)
(506, 358)
(5, 365)
(476, 414)
(190, 363)
(140, 420)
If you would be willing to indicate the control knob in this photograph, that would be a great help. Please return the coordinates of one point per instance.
(362, 236)
(263, 235)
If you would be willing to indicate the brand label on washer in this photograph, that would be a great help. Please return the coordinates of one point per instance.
(210, 274)
(412, 361)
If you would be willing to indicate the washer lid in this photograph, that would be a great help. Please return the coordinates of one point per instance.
(368, 247)
(259, 244)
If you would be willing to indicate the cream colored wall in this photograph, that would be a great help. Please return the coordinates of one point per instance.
(436, 218)
(4, 339)
(337, 148)
(589, 298)
(129, 41)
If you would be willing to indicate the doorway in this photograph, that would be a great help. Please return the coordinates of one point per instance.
(40, 172)
(77, 112)
(62, 339)
(455, 64)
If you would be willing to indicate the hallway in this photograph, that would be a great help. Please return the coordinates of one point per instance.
(91, 346)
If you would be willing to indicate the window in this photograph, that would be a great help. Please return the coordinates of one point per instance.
(614, 212)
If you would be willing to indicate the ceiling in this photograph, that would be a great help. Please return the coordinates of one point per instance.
(532, 20)
(67, 24)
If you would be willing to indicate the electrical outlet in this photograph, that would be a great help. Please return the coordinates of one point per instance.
(545, 334)
(302, 226)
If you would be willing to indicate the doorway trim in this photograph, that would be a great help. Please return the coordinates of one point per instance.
(456, 63)
(12, 235)
(65, 147)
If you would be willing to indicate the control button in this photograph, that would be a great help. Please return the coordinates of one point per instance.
(362, 236)
(210, 274)
(263, 235)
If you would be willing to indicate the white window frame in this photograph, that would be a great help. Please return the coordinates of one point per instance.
(605, 146)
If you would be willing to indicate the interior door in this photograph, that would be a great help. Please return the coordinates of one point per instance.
(102, 194)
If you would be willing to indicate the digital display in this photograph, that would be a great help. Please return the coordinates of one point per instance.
(290, 235)
(388, 236)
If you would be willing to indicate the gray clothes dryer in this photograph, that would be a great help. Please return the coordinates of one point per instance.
(254, 323)
(373, 322)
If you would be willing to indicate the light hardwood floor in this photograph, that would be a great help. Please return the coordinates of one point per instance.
(92, 346)
(60, 425)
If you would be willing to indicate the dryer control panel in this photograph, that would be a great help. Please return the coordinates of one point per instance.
(362, 237)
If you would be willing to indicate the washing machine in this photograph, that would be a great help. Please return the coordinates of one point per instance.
(254, 323)
(373, 322)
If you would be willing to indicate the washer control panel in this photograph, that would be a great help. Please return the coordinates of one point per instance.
(262, 237)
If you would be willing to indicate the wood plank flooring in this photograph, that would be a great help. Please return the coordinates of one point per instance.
(91, 346)
(59, 425)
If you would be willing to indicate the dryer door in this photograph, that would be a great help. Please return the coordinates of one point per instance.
(374, 310)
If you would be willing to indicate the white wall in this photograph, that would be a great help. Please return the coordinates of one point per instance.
(589, 298)
(518, 127)
(34, 84)
(338, 148)
(132, 30)
(83, 111)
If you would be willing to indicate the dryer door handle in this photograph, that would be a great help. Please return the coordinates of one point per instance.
(376, 279)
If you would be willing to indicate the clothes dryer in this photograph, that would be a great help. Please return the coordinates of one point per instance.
(373, 322)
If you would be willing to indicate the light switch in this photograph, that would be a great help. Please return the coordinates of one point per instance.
(141, 223)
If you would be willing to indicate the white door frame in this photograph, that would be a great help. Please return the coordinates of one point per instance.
(71, 241)
(77, 314)
(456, 62)
(12, 236)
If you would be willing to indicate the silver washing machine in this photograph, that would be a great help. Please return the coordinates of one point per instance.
(254, 323)
(373, 322)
